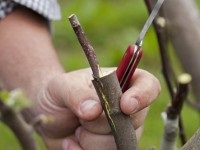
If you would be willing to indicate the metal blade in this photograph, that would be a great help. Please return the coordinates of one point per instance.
(149, 22)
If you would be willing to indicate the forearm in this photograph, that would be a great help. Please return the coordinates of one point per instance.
(27, 56)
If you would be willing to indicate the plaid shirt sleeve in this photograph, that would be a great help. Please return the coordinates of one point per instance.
(47, 8)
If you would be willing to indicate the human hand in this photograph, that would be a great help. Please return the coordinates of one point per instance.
(78, 119)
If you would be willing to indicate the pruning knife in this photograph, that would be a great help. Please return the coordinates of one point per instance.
(133, 53)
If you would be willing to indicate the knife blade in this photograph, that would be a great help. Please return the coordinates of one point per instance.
(133, 53)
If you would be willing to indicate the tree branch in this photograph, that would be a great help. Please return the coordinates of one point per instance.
(20, 128)
(109, 92)
(173, 114)
(184, 32)
(193, 143)
(87, 47)
(182, 91)
(160, 26)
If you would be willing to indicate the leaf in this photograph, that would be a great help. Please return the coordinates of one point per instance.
(15, 99)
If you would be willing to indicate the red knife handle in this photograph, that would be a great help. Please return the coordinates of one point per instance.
(127, 66)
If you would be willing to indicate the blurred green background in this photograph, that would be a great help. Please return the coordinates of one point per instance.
(111, 26)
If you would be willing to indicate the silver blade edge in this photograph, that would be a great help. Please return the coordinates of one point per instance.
(149, 22)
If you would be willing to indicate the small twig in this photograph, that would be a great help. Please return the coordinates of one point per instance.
(16, 123)
(173, 114)
(40, 120)
(88, 49)
(180, 97)
(175, 109)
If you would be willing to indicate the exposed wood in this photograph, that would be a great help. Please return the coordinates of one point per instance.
(109, 92)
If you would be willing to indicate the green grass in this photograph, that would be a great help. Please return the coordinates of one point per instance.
(111, 26)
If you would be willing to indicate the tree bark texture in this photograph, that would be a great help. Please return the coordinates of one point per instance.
(109, 92)
(170, 133)
(193, 143)
(183, 25)
(22, 131)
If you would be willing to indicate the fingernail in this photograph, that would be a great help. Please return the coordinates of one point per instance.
(65, 145)
(133, 105)
(86, 106)
(77, 133)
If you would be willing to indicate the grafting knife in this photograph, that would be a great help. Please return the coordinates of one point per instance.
(133, 54)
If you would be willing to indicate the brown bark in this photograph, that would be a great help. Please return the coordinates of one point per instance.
(20, 128)
(167, 68)
(183, 24)
(174, 110)
(109, 92)
(193, 143)
(87, 47)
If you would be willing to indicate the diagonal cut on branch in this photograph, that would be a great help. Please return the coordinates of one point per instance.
(109, 92)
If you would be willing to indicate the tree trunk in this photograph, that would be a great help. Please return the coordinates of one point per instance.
(183, 25)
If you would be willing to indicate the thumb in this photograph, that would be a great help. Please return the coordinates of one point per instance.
(75, 91)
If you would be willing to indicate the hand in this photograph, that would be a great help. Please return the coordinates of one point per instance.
(69, 97)
(79, 122)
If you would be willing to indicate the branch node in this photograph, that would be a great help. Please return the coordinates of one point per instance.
(161, 22)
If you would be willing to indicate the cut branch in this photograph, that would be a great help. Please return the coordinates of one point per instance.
(182, 91)
(88, 49)
(173, 114)
(109, 92)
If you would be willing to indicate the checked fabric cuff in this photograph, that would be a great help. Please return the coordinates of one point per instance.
(47, 8)
(6, 6)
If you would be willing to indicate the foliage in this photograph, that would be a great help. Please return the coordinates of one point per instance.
(16, 99)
